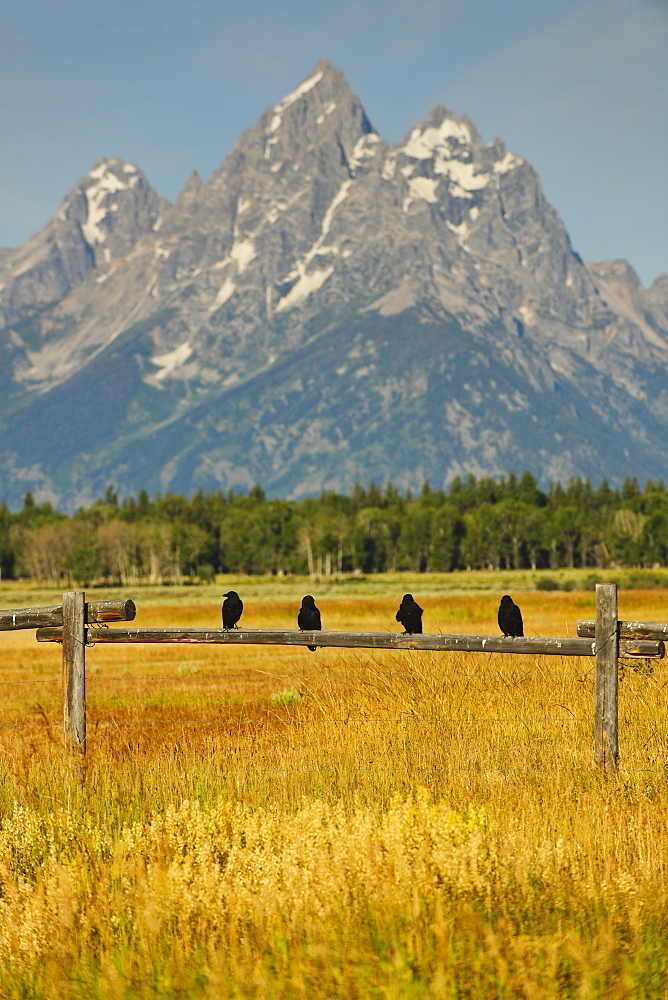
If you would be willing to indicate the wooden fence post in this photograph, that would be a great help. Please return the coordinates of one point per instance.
(606, 746)
(74, 669)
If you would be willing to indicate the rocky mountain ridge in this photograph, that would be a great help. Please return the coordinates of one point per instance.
(324, 309)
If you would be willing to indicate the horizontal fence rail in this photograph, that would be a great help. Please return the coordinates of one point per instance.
(628, 630)
(96, 612)
(365, 640)
(605, 639)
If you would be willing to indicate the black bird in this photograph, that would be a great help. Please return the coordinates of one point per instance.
(232, 608)
(510, 617)
(410, 615)
(308, 618)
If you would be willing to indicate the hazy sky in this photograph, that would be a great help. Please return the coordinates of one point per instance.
(578, 87)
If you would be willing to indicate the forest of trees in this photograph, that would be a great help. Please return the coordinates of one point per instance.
(476, 523)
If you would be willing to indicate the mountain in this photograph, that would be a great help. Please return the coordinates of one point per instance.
(326, 308)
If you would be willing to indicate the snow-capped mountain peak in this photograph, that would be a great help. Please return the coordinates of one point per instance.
(441, 136)
(449, 147)
(101, 219)
(324, 308)
(323, 104)
(106, 179)
(118, 207)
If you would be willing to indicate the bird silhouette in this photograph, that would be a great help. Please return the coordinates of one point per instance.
(410, 615)
(510, 617)
(308, 618)
(232, 609)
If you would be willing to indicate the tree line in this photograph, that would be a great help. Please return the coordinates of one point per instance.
(477, 523)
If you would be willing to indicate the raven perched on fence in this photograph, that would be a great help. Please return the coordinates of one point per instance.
(232, 608)
(308, 618)
(410, 615)
(510, 617)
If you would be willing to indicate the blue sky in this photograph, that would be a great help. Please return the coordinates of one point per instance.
(578, 87)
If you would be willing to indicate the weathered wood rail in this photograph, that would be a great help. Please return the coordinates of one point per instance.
(98, 612)
(628, 630)
(364, 640)
(607, 639)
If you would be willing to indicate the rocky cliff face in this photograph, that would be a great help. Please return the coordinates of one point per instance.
(325, 308)
(99, 222)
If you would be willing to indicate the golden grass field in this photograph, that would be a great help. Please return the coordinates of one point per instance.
(272, 823)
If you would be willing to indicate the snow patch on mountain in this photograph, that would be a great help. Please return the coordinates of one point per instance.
(338, 198)
(105, 182)
(507, 163)
(528, 314)
(293, 96)
(462, 176)
(242, 254)
(448, 146)
(169, 362)
(363, 150)
(462, 230)
(282, 106)
(423, 188)
(307, 284)
(423, 143)
(224, 294)
(328, 110)
(389, 166)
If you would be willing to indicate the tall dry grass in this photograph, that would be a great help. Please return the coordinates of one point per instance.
(405, 825)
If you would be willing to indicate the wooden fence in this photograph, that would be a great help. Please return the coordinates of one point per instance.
(605, 638)
(71, 617)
